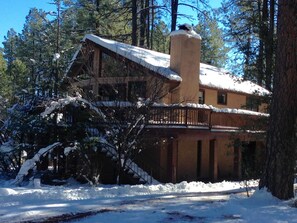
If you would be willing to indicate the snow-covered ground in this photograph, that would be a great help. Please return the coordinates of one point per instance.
(183, 202)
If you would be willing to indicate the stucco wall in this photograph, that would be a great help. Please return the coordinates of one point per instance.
(187, 160)
(233, 100)
(225, 158)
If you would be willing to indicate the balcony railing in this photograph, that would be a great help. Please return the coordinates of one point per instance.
(192, 117)
(179, 116)
(205, 118)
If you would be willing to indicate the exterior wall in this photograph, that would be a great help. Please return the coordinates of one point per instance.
(236, 100)
(225, 159)
(187, 160)
(210, 97)
(233, 100)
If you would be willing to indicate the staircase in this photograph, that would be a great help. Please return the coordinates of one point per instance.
(131, 169)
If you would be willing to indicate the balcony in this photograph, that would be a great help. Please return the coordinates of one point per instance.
(204, 118)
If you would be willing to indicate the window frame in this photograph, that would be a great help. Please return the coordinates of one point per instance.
(203, 96)
(219, 97)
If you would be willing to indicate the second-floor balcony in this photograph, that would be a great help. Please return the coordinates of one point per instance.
(201, 117)
(207, 118)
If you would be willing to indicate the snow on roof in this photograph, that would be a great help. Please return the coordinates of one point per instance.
(221, 79)
(210, 76)
(190, 34)
(214, 109)
(155, 61)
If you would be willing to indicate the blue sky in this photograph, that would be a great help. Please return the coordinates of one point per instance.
(13, 13)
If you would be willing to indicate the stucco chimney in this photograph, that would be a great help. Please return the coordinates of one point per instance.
(185, 60)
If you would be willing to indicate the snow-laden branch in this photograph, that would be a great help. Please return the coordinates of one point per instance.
(31, 163)
(61, 103)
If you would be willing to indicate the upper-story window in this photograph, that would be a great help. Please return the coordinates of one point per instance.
(111, 67)
(86, 71)
(201, 97)
(222, 98)
(252, 103)
(112, 92)
(118, 67)
(136, 90)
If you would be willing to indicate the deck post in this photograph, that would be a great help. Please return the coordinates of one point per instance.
(237, 163)
(172, 161)
(213, 160)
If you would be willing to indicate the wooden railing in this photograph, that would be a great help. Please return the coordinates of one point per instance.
(179, 116)
(220, 120)
(206, 118)
(201, 117)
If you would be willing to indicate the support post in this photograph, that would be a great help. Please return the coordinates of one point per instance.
(213, 161)
(237, 163)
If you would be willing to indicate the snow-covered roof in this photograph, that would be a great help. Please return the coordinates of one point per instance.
(219, 78)
(210, 76)
(152, 60)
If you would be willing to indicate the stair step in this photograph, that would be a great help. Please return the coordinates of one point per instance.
(131, 169)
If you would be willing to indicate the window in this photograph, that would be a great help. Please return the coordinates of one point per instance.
(222, 98)
(201, 97)
(120, 92)
(104, 92)
(87, 91)
(112, 67)
(252, 103)
(108, 92)
(87, 69)
(137, 89)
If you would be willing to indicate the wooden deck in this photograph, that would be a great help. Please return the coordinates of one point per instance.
(205, 119)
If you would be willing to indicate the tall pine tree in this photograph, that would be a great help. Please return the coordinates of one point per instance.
(280, 163)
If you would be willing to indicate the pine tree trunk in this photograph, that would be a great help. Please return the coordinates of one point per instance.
(134, 22)
(152, 25)
(270, 47)
(147, 6)
(174, 7)
(142, 24)
(278, 175)
(260, 61)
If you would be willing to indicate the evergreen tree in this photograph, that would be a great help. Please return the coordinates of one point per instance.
(5, 87)
(249, 31)
(5, 84)
(161, 39)
(213, 49)
(278, 176)
(10, 48)
(19, 77)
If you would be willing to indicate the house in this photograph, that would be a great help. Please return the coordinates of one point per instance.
(206, 119)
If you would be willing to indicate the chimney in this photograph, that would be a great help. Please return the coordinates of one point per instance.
(185, 60)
